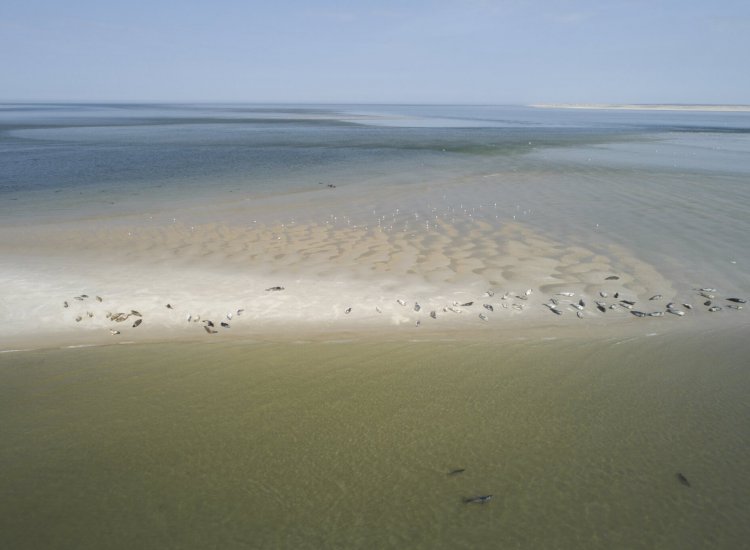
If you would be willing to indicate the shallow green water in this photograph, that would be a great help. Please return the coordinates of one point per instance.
(348, 445)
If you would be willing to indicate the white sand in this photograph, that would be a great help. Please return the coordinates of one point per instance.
(211, 270)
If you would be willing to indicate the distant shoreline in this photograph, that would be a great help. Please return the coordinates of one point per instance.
(643, 107)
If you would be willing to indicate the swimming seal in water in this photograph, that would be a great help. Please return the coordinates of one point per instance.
(274, 289)
(479, 499)
(456, 471)
(682, 479)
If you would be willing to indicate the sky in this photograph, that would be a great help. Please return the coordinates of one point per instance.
(442, 51)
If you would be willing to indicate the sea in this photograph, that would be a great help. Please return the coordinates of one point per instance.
(615, 438)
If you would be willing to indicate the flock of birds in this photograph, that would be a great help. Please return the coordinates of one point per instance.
(558, 304)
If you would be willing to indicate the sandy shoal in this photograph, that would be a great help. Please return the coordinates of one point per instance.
(336, 280)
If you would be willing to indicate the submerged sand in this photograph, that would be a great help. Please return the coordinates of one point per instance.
(349, 445)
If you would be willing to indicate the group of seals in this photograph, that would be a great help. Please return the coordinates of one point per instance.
(507, 301)
(117, 317)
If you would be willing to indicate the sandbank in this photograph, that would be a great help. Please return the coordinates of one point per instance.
(86, 283)
(645, 107)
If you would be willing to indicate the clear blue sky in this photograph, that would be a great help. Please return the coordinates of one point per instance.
(471, 51)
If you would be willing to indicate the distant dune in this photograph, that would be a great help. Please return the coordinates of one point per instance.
(645, 107)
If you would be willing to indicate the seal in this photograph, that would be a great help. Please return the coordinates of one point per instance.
(347, 311)
(417, 307)
(137, 322)
(479, 499)
(611, 278)
(433, 314)
(274, 288)
(488, 307)
(483, 317)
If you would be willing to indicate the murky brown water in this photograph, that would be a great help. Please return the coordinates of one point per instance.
(348, 445)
